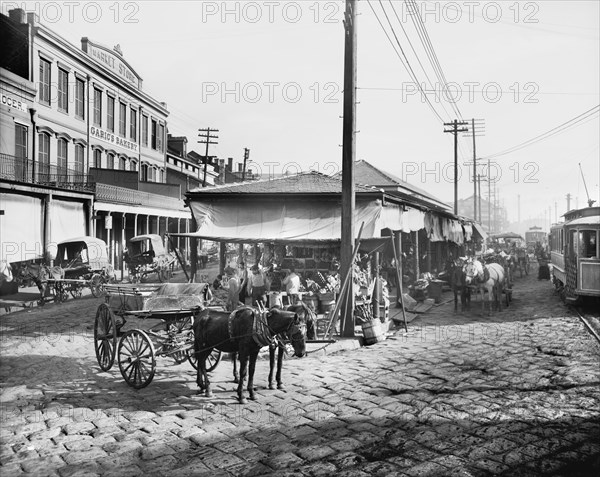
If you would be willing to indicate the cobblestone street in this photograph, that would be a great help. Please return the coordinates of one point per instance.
(460, 394)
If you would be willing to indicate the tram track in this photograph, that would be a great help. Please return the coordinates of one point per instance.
(591, 323)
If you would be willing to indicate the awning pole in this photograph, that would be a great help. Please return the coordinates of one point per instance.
(399, 278)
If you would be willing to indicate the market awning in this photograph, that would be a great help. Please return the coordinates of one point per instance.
(307, 222)
(478, 229)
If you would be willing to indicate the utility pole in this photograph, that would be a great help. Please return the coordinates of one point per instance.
(207, 140)
(455, 130)
(477, 129)
(568, 203)
(489, 178)
(479, 195)
(519, 210)
(246, 157)
(348, 157)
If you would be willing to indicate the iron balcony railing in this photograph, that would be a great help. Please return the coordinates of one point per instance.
(20, 169)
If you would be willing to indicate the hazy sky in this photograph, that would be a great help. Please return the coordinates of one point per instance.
(269, 76)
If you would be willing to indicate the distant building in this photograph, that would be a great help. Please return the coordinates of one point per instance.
(494, 219)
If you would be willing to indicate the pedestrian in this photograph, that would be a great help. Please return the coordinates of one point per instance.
(257, 285)
(233, 295)
(292, 286)
(243, 281)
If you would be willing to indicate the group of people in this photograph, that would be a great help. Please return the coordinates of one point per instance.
(243, 282)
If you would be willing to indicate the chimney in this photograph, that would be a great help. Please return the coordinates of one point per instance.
(17, 15)
(230, 164)
(33, 18)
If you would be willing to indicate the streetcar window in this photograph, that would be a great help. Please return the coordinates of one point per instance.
(572, 242)
(588, 243)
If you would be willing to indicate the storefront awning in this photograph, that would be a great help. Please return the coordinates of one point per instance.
(309, 222)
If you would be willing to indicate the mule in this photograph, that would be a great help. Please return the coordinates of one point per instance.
(488, 278)
(307, 319)
(244, 331)
(39, 274)
(458, 284)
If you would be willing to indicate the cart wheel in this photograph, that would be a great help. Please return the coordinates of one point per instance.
(76, 292)
(136, 357)
(105, 337)
(211, 362)
(97, 285)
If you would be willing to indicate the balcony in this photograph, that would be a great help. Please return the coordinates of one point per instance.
(122, 195)
(19, 169)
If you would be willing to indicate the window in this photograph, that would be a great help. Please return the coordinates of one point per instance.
(159, 139)
(20, 141)
(110, 114)
(97, 158)
(78, 159)
(63, 90)
(44, 86)
(123, 163)
(20, 152)
(79, 98)
(97, 107)
(61, 159)
(153, 134)
(110, 161)
(145, 131)
(44, 155)
(132, 124)
(587, 243)
(122, 119)
(133, 166)
(144, 172)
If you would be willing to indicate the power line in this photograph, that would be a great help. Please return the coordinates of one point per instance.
(577, 120)
(404, 64)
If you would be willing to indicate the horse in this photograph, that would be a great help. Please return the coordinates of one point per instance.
(307, 317)
(488, 278)
(39, 274)
(458, 283)
(243, 331)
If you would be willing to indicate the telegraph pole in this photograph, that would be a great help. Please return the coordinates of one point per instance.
(479, 194)
(348, 157)
(246, 157)
(568, 203)
(205, 134)
(455, 130)
(477, 129)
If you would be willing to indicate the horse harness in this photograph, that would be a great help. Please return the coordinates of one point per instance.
(260, 328)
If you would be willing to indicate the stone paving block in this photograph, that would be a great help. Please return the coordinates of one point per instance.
(129, 471)
(490, 466)
(160, 466)
(208, 438)
(317, 452)
(345, 444)
(139, 415)
(30, 428)
(345, 460)
(191, 469)
(122, 447)
(13, 468)
(74, 458)
(251, 454)
(51, 462)
(283, 460)
(116, 461)
(233, 445)
(82, 427)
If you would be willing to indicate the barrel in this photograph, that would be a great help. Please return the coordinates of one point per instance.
(372, 332)
(326, 306)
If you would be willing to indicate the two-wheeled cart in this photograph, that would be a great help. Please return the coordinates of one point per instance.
(172, 305)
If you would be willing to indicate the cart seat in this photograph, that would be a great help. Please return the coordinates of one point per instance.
(178, 296)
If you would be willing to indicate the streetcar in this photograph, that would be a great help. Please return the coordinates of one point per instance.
(534, 236)
(575, 254)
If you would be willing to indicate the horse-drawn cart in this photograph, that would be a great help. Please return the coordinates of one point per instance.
(173, 305)
(145, 255)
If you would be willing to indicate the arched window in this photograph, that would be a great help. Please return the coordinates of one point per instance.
(133, 165)
(123, 163)
(44, 155)
(110, 161)
(78, 163)
(97, 158)
(144, 172)
(61, 160)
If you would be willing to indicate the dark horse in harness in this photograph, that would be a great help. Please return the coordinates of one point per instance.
(458, 282)
(39, 273)
(305, 315)
(243, 331)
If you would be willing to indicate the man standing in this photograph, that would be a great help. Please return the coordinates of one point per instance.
(292, 286)
(257, 285)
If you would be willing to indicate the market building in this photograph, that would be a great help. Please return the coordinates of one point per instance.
(84, 132)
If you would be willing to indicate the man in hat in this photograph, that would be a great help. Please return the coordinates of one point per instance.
(233, 292)
(257, 285)
(292, 285)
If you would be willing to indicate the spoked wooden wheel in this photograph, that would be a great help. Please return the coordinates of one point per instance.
(137, 360)
(211, 362)
(97, 285)
(105, 337)
(76, 291)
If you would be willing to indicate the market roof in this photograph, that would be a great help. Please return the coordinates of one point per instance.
(311, 182)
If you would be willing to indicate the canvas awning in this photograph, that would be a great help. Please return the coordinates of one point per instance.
(478, 229)
(310, 222)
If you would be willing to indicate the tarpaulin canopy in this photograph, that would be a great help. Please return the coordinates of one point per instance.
(479, 230)
(305, 221)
